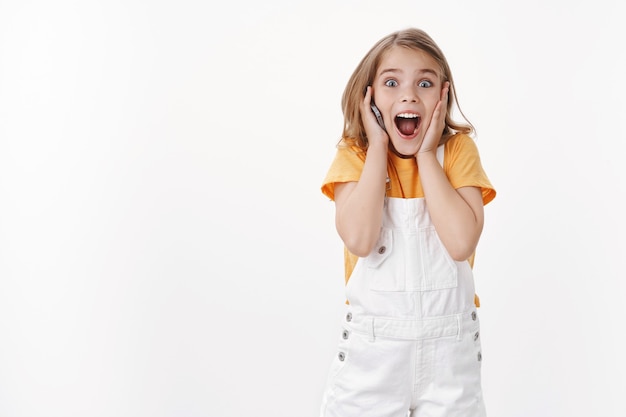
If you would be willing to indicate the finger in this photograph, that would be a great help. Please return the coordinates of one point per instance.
(445, 90)
(368, 94)
(439, 115)
(440, 107)
(367, 114)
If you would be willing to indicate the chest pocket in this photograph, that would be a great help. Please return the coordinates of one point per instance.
(382, 249)
(380, 267)
(409, 262)
(434, 268)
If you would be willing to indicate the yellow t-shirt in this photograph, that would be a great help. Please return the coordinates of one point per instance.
(461, 165)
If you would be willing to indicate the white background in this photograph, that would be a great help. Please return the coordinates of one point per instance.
(164, 246)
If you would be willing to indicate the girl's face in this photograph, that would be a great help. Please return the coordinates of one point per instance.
(406, 89)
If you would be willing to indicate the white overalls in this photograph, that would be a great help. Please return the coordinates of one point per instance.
(410, 342)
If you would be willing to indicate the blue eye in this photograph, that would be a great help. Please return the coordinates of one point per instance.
(425, 84)
(391, 83)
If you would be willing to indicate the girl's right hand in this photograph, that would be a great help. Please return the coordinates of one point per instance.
(359, 204)
(375, 133)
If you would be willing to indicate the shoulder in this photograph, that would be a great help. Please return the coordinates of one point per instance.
(461, 143)
(464, 167)
(460, 149)
(346, 167)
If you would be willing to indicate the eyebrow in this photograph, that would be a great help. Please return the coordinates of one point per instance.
(421, 71)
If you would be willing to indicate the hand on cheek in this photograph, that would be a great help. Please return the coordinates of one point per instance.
(437, 122)
(373, 130)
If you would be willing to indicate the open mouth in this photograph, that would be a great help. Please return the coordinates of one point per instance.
(407, 123)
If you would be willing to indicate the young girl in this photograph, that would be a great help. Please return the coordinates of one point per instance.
(409, 194)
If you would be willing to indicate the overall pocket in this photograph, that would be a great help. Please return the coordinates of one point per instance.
(437, 270)
(409, 262)
(381, 266)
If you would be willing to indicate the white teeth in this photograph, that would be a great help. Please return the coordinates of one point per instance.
(408, 115)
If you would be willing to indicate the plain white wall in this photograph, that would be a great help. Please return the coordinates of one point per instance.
(164, 246)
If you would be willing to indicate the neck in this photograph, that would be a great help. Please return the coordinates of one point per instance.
(395, 152)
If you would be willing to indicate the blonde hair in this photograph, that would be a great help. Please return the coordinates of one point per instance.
(363, 75)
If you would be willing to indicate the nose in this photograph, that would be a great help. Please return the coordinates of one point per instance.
(409, 95)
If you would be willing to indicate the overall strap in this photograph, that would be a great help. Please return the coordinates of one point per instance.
(440, 150)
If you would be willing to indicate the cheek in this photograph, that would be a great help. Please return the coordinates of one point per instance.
(432, 103)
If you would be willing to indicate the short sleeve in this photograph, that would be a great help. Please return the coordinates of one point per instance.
(346, 167)
(464, 168)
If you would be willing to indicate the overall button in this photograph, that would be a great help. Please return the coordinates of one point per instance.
(480, 357)
(382, 249)
(474, 315)
(341, 356)
(476, 336)
(349, 317)
(345, 335)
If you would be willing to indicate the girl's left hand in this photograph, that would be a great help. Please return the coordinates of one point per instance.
(437, 123)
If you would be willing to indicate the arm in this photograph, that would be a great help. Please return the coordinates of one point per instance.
(359, 205)
(457, 214)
